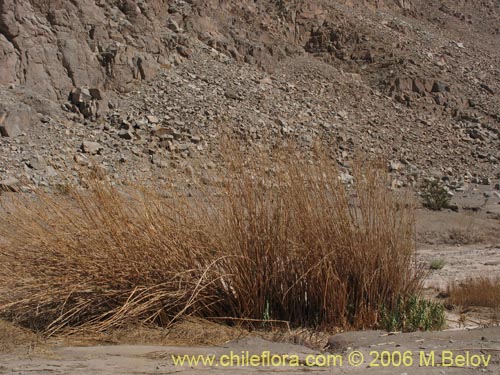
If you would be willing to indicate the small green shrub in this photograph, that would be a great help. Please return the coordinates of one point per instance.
(413, 314)
(435, 195)
(437, 264)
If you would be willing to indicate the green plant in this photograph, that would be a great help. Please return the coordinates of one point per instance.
(434, 195)
(413, 314)
(437, 264)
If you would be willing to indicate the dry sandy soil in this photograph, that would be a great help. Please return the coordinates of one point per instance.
(133, 359)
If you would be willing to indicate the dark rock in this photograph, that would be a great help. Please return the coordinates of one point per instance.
(487, 88)
(96, 94)
(125, 134)
(439, 86)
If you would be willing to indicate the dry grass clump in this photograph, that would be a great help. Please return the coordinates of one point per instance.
(100, 257)
(276, 239)
(309, 250)
(465, 236)
(480, 291)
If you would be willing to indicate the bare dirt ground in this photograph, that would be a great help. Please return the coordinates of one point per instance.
(468, 244)
(130, 359)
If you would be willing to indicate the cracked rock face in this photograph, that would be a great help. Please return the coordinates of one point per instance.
(53, 46)
(144, 89)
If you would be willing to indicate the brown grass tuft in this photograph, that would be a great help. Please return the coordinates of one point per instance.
(309, 250)
(480, 291)
(276, 239)
(101, 257)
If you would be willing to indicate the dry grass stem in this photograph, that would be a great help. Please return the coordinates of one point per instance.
(275, 239)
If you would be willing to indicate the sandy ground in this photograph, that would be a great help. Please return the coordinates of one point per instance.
(427, 353)
(460, 262)
(468, 243)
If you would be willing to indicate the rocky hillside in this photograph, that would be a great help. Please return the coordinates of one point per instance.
(145, 88)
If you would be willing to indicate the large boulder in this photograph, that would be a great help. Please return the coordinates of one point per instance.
(16, 119)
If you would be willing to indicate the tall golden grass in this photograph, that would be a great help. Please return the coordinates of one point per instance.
(274, 239)
(476, 291)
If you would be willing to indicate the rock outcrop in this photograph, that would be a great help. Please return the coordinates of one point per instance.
(144, 89)
(53, 46)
